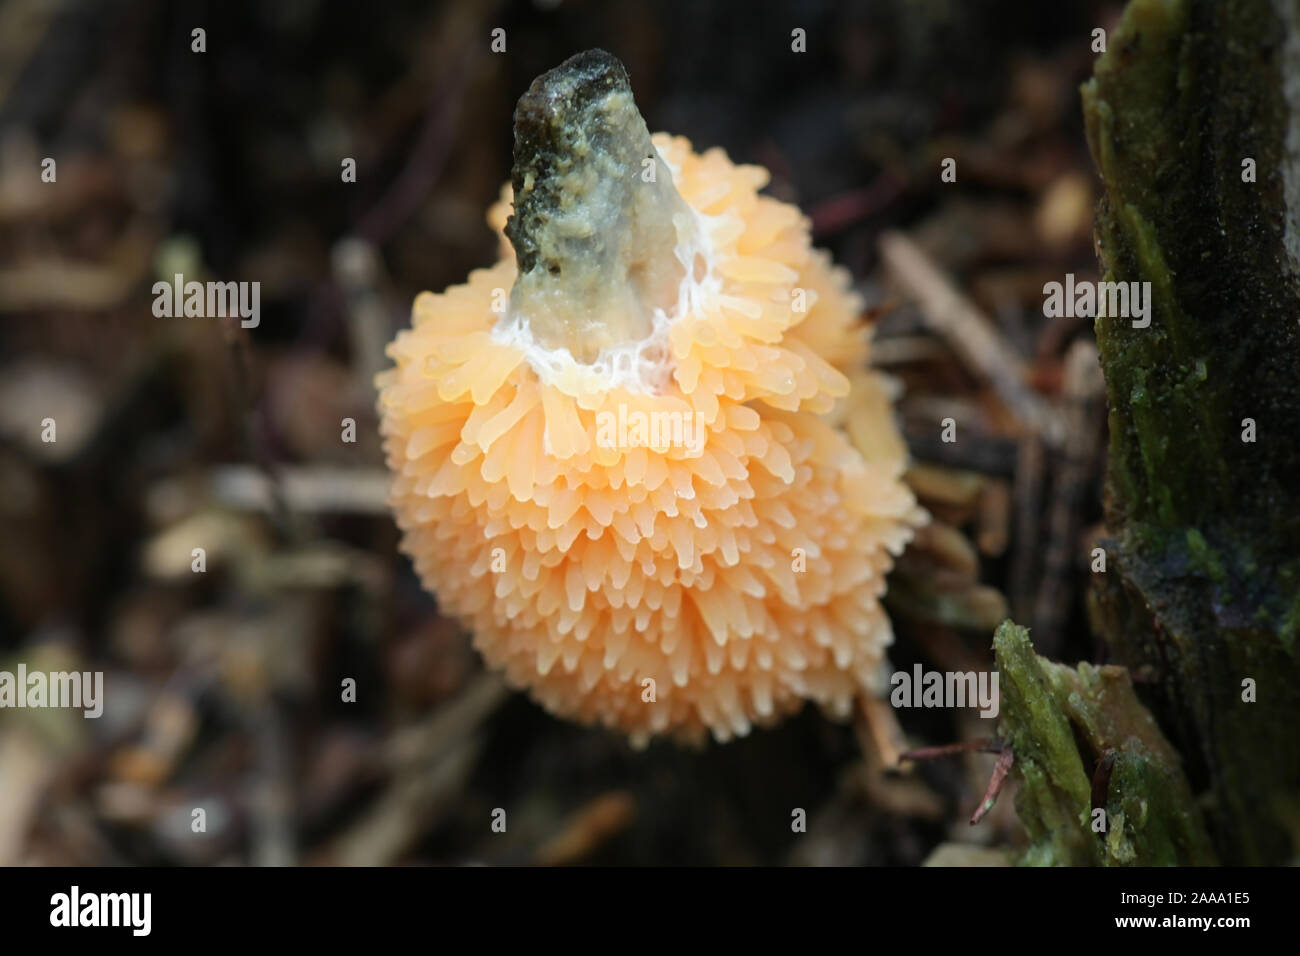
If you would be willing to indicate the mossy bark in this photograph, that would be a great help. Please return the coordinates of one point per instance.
(1083, 743)
(1202, 588)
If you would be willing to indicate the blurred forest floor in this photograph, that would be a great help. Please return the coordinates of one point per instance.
(224, 687)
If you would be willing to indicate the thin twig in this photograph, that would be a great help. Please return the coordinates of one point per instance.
(1000, 771)
(878, 727)
(970, 332)
(305, 489)
(984, 745)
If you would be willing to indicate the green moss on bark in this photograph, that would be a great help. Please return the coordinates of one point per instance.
(1203, 589)
(1061, 722)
